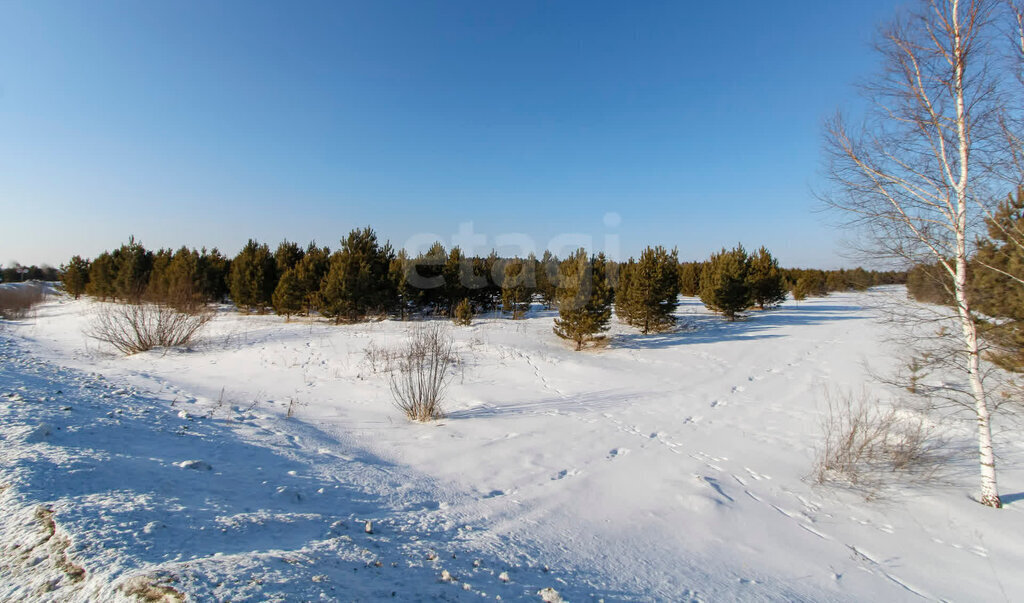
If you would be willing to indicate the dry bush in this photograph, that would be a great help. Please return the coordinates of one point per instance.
(148, 589)
(16, 301)
(421, 372)
(380, 359)
(133, 328)
(866, 446)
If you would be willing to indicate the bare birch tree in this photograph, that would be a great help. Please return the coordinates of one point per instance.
(914, 178)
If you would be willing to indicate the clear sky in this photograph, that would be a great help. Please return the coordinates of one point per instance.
(686, 124)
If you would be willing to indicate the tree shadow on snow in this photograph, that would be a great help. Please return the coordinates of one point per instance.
(754, 325)
(585, 402)
(1009, 499)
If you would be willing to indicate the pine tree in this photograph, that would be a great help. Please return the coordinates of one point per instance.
(808, 283)
(253, 277)
(767, 287)
(689, 278)
(999, 260)
(101, 276)
(724, 285)
(995, 283)
(310, 271)
(492, 269)
(463, 313)
(289, 296)
(517, 288)
(398, 273)
(836, 281)
(183, 279)
(623, 287)
(75, 276)
(357, 282)
(158, 286)
(648, 291)
(287, 255)
(547, 279)
(458, 279)
(133, 269)
(212, 275)
(427, 279)
(859, 279)
(584, 298)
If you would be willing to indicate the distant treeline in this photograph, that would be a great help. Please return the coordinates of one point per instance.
(805, 282)
(365, 277)
(16, 273)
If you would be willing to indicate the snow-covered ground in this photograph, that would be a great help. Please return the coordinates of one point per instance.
(668, 467)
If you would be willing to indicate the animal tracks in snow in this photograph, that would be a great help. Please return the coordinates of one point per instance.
(978, 550)
(564, 473)
(617, 452)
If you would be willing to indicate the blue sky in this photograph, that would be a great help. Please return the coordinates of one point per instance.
(633, 123)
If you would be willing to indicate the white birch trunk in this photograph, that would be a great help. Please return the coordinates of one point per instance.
(986, 457)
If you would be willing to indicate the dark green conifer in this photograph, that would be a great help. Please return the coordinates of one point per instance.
(724, 285)
(458, 279)
(999, 262)
(398, 273)
(289, 296)
(357, 283)
(427, 279)
(584, 298)
(75, 276)
(995, 288)
(767, 287)
(213, 273)
(287, 255)
(689, 278)
(517, 287)
(102, 273)
(183, 278)
(492, 268)
(547, 279)
(310, 272)
(133, 269)
(648, 290)
(157, 288)
(253, 277)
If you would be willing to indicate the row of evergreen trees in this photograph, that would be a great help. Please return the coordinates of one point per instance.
(185, 278)
(801, 282)
(365, 277)
(646, 290)
(361, 278)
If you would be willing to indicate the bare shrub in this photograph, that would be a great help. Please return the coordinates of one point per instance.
(866, 446)
(421, 372)
(16, 301)
(147, 588)
(293, 406)
(379, 358)
(133, 328)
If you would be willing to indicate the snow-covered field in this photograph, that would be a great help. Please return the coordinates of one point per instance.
(668, 467)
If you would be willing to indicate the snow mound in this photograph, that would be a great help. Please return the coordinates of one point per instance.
(196, 465)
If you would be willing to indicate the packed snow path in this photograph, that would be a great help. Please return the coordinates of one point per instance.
(663, 467)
